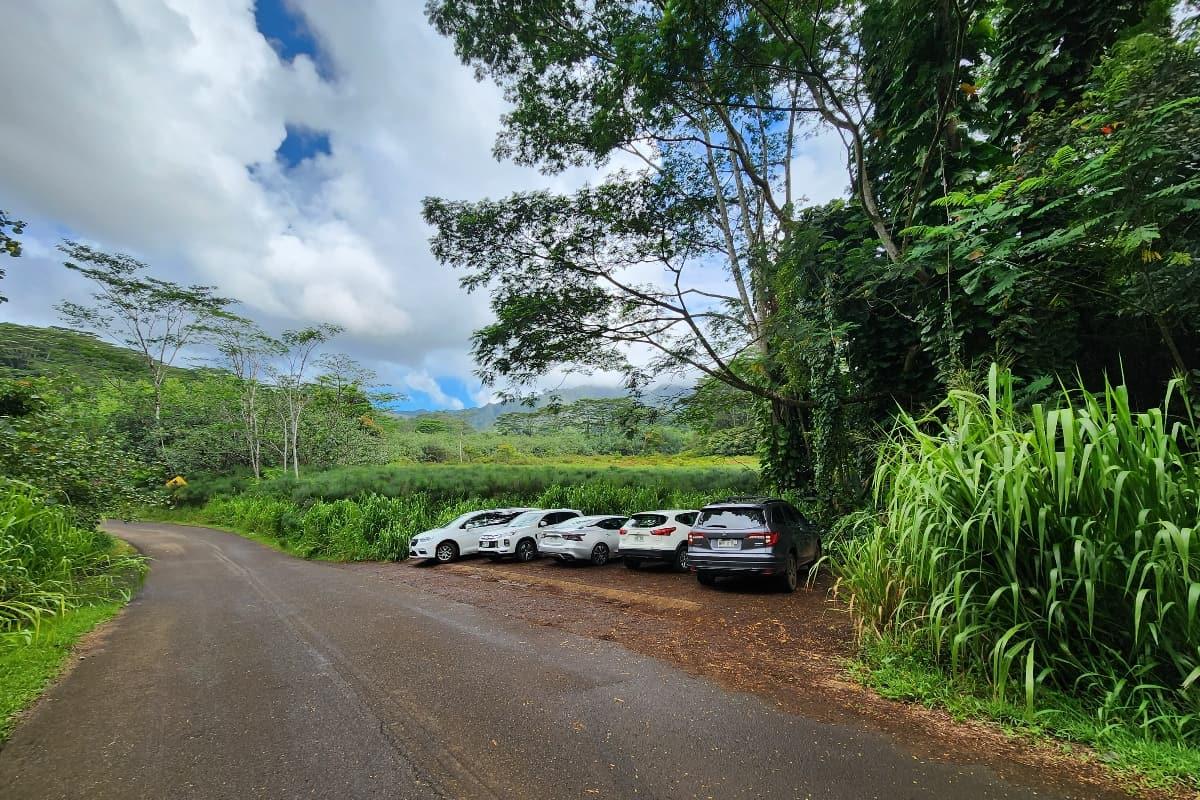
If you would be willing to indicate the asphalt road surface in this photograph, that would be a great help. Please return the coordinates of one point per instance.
(240, 672)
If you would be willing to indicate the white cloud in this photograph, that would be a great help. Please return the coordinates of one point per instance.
(424, 382)
(151, 126)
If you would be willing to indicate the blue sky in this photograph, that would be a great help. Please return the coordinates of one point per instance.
(278, 151)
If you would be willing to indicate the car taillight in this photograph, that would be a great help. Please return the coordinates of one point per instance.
(768, 539)
(697, 538)
(621, 532)
(661, 531)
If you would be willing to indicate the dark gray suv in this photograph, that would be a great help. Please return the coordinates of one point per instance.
(752, 536)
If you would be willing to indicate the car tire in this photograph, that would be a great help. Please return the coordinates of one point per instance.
(445, 552)
(526, 550)
(600, 554)
(706, 578)
(632, 563)
(789, 581)
(680, 563)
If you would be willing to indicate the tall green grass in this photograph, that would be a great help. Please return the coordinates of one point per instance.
(375, 527)
(47, 564)
(450, 482)
(1051, 550)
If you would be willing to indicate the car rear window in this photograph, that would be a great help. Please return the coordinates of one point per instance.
(646, 520)
(734, 519)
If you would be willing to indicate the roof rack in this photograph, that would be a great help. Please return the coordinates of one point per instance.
(752, 498)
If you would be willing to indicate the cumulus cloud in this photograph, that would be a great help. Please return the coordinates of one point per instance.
(151, 126)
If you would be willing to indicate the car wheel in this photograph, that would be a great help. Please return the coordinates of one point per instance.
(681, 558)
(633, 563)
(446, 552)
(790, 579)
(706, 578)
(526, 550)
(600, 554)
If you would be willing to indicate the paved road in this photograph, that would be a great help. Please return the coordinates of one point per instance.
(239, 672)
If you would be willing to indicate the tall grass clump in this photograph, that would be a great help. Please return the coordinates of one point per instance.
(445, 483)
(1050, 550)
(47, 564)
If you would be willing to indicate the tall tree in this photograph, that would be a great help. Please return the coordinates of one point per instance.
(290, 374)
(830, 315)
(154, 317)
(246, 351)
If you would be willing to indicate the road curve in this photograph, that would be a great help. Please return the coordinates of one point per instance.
(241, 672)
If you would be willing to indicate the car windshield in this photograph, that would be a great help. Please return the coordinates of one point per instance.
(646, 520)
(734, 519)
(526, 519)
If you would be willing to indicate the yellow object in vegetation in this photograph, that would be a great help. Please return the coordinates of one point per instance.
(176, 482)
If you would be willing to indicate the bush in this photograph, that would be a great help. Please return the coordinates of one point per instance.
(47, 563)
(1049, 550)
(451, 482)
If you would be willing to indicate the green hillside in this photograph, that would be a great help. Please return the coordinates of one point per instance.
(27, 351)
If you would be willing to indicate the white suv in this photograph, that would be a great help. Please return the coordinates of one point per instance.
(591, 539)
(660, 536)
(521, 535)
(459, 537)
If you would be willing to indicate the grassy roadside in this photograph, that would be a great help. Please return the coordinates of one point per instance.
(899, 674)
(27, 669)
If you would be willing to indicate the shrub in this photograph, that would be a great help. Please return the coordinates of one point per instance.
(1050, 550)
(47, 563)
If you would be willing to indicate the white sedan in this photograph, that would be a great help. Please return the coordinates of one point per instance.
(591, 539)
(459, 537)
(521, 536)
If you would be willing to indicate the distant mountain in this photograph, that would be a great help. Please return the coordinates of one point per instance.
(484, 417)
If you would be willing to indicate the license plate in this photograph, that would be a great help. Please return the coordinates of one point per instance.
(637, 537)
(487, 544)
(727, 544)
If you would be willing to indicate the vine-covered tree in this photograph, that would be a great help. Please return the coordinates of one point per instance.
(703, 254)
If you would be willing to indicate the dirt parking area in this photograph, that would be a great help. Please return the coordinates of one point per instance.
(789, 649)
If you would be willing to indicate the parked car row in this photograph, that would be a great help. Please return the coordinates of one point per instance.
(738, 536)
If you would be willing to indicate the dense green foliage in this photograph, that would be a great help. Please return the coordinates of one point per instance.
(373, 526)
(1048, 549)
(52, 437)
(451, 482)
(48, 564)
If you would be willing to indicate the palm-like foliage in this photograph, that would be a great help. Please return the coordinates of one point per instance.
(1054, 549)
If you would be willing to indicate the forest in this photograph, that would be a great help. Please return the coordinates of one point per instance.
(978, 368)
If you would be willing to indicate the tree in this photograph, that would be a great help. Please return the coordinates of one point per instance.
(9, 244)
(246, 351)
(154, 317)
(52, 437)
(290, 377)
(833, 316)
